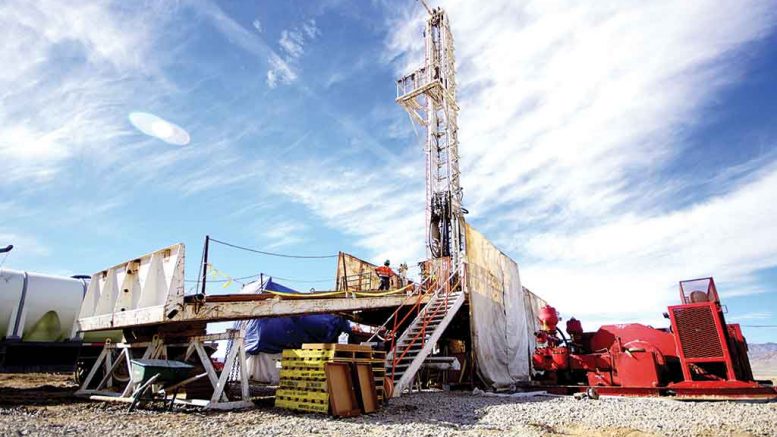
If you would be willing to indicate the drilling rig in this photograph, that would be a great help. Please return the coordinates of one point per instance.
(428, 94)
(699, 356)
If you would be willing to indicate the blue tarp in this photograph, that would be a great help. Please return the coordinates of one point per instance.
(272, 335)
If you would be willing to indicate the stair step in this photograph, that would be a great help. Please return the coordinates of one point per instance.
(428, 325)
(416, 345)
(417, 337)
(429, 330)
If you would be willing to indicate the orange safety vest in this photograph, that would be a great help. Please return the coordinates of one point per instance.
(384, 271)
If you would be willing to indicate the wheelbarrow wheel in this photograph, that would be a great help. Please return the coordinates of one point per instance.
(140, 391)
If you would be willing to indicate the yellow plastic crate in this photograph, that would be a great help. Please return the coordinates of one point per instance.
(303, 384)
(302, 395)
(307, 353)
(316, 374)
(307, 407)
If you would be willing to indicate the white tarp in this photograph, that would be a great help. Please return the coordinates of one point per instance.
(498, 313)
(533, 305)
(263, 368)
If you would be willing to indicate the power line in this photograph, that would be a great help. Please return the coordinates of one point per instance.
(302, 280)
(259, 274)
(272, 253)
(225, 280)
(759, 326)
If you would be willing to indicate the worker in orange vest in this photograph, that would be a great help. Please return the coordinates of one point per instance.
(384, 272)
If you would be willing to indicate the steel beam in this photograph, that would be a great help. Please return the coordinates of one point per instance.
(242, 310)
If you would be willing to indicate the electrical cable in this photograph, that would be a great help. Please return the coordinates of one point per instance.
(226, 280)
(301, 280)
(259, 274)
(273, 253)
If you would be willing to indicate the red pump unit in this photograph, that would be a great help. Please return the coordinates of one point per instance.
(698, 357)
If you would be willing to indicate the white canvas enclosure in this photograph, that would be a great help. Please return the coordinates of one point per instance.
(263, 367)
(502, 314)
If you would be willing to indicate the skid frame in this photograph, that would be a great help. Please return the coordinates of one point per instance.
(699, 393)
(107, 388)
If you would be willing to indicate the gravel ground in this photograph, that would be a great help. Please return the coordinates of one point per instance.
(47, 409)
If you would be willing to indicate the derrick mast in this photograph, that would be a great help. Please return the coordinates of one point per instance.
(428, 94)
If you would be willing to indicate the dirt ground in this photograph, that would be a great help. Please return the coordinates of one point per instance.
(43, 404)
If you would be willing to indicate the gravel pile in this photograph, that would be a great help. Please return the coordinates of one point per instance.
(424, 414)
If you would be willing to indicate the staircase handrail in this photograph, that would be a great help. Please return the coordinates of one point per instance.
(415, 307)
(418, 297)
(422, 333)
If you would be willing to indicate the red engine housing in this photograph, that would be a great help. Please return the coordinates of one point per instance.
(698, 356)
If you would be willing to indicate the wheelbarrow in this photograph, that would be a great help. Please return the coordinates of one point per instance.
(165, 375)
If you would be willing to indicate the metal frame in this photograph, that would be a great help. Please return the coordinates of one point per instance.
(145, 290)
(428, 94)
(105, 390)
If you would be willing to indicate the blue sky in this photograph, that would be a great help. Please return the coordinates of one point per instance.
(612, 150)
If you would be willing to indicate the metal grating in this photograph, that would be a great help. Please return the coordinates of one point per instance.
(697, 332)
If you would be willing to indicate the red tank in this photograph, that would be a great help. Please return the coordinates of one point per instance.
(548, 318)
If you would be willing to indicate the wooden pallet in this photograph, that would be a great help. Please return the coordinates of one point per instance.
(351, 353)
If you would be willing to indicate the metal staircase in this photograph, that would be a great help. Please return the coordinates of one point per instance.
(417, 341)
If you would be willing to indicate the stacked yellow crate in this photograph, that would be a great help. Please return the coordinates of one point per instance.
(303, 384)
(303, 380)
(352, 353)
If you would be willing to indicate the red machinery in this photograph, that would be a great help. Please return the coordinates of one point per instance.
(699, 356)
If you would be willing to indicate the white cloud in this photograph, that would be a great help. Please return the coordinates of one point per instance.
(157, 127)
(280, 72)
(634, 262)
(283, 65)
(570, 117)
(283, 232)
(745, 317)
(25, 247)
(63, 65)
(285, 69)
(383, 209)
(291, 42)
(567, 109)
(311, 30)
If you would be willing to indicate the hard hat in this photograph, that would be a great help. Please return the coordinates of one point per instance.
(387, 263)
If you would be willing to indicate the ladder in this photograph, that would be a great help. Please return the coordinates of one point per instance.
(417, 342)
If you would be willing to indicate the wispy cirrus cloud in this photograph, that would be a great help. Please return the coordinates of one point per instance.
(382, 208)
(62, 77)
(746, 317)
(571, 116)
(283, 63)
(283, 232)
(285, 69)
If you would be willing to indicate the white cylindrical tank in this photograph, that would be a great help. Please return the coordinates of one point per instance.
(37, 307)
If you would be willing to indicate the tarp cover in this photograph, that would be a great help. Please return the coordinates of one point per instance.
(498, 310)
(262, 368)
(272, 335)
(533, 304)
